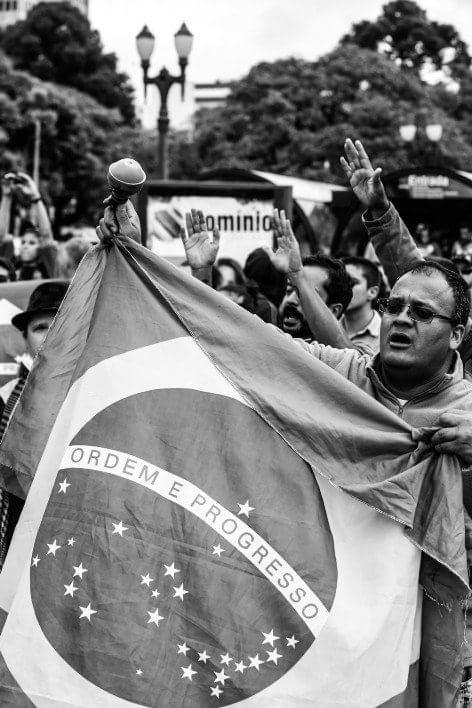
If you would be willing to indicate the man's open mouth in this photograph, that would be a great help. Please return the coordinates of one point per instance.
(291, 318)
(399, 340)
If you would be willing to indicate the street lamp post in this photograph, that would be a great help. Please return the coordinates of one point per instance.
(164, 80)
(433, 131)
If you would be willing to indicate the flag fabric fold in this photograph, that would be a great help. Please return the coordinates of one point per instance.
(214, 518)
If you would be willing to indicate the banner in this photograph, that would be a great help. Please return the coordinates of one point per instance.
(246, 223)
(194, 534)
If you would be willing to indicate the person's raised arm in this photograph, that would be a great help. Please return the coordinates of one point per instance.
(38, 212)
(5, 207)
(393, 243)
(201, 252)
(119, 220)
(326, 329)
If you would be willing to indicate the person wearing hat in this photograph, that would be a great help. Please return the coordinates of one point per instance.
(34, 324)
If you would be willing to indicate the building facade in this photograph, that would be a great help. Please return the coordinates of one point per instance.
(13, 10)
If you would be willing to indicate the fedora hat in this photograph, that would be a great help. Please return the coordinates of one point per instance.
(45, 299)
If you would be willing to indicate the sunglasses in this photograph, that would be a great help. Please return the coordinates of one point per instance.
(418, 313)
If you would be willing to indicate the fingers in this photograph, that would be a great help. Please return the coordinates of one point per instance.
(277, 223)
(183, 236)
(346, 167)
(451, 418)
(216, 237)
(110, 220)
(363, 156)
(444, 435)
(103, 232)
(423, 434)
(282, 225)
(449, 448)
(377, 175)
(189, 223)
(288, 230)
(198, 222)
(202, 220)
(352, 154)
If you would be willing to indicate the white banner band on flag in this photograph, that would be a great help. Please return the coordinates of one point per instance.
(230, 527)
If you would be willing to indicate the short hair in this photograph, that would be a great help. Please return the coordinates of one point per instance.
(237, 268)
(339, 285)
(369, 270)
(456, 282)
(27, 227)
(446, 262)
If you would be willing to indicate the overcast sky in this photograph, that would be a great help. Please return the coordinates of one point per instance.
(233, 35)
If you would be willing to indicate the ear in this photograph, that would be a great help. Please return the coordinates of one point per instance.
(373, 292)
(337, 310)
(457, 335)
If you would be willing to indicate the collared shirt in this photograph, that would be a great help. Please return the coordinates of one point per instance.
(369, 336)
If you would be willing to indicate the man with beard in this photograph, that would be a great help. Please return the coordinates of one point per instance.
(324, 275)
(319, 291)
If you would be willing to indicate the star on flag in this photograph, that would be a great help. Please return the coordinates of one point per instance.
(221, 677)
(273, 656)
(35, 561)
(217, 551)
(70, 589)
(180, 592)
(245, 508)
(87, 612)
(225, 659)
(216, 691)
(79, 571)
(183, 649)
(171, 570)
(240, 666)
(139, 672)
(155, 593)
(146, 580)
(53, 547)
(203, 656)
(155, 617)
(269, 637)
(71, 541)
(255, 662)
(291, 641)
(188, 672)
(119, 528)
(63, 486)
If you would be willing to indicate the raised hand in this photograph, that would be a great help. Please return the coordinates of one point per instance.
(365, 181)
(119, 220)
(201, 252)
(28, 186)
(287, 257)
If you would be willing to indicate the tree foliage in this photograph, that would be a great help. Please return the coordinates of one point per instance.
(56, 43)
(405, 34)
(291, 116)
(79, 139)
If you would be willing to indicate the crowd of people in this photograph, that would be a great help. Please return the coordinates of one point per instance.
(398, 328)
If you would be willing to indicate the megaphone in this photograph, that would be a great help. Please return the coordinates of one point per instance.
(125, 178)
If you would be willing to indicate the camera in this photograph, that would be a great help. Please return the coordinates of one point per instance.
(14, 177)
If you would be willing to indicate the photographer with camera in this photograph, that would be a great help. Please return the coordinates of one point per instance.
(37, 256)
